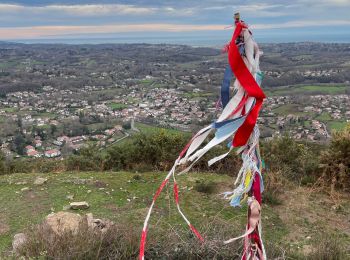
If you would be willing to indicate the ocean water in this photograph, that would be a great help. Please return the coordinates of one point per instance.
(210, 38)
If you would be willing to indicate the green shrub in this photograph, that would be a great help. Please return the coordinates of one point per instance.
(87, 159)
(335, 161)
(205, 187)
(19, 166)
(119, 157)
(159, 150)
(3, 169)
(156, 151)
(292, 159)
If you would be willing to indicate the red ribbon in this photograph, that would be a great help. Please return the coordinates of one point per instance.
(176, 193)
(243, 133)
(198, 235)
(161, 187)
(142, 244)
(248, 82)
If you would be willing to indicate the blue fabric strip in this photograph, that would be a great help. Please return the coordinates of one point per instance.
(220, 124)
(230, 127)
(225, 87)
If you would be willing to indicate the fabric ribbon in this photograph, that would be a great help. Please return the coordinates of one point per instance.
(238, 119)
(253, 220)
(249, 84)
(225, 87)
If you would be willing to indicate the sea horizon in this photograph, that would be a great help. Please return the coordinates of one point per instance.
(206, 40)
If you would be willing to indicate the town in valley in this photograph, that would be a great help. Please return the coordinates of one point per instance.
(56, 99)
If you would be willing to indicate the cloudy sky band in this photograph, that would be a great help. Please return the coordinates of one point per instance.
(31, 19)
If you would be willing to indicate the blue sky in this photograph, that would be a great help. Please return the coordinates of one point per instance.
(275, 21)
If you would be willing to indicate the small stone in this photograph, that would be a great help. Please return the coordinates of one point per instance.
(25, 189)
(308, 237)
(128, 200)
(79, 205)
(336, 207)
(21, 183)
(80, 181)
(70, 197)
(18, 242)
(40, 181)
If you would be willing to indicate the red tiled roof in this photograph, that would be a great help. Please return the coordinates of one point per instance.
(32, 153)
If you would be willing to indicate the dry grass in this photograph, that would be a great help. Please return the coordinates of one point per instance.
(118, 242)
(328, 248)
(122, 242)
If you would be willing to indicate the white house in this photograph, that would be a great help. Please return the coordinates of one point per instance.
(52, 153)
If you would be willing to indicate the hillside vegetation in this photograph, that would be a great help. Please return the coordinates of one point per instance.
(305, 213)
(294, 222)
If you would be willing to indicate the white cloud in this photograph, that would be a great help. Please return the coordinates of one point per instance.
(10, 8)
(79, 10)
(333, 3)
(253, 10)
(93, 10)
(301, 23)
(98, 10)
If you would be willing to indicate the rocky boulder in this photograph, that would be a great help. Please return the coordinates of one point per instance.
(63, 222)
(56, 225)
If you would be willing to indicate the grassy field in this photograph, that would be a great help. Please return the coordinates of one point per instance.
(146, 82)
(307, 90)
(325, 117)
(337, 125)
(121, 196)
(150, 129)
(116, 106)
(289, 109)
(45, 114)
(10, 109)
